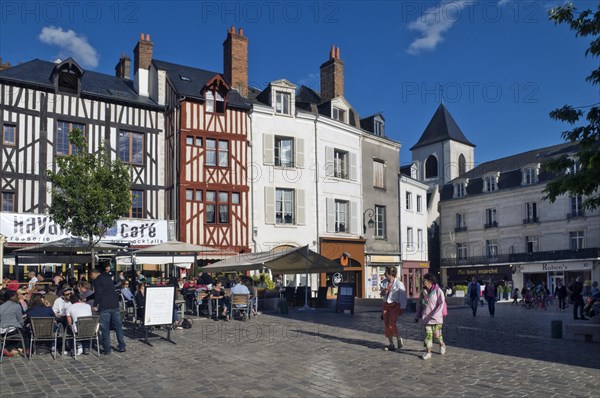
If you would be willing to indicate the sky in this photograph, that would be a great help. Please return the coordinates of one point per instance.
(499, 66)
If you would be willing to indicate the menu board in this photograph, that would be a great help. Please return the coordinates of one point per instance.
(158, 309)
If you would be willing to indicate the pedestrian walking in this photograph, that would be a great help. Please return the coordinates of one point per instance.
(431, 309)
(576, 289)
(107, 305)
(489, 293)
(394, 303)
(561, 293)
(473, 290)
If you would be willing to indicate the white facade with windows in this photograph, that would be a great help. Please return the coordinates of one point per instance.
(516, 229)
(413, 220)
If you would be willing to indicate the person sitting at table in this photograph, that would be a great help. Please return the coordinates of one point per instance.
(39, 307)
(61, 304)
(218, 293)
(78, 309)
(11, 315)
(127, 295)
(253, 301)
(239, 287)
(205, 280)
(140, 299)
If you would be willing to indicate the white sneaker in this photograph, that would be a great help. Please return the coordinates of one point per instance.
(443, 350)
(79, 349)
(426, 356)
(400, 343)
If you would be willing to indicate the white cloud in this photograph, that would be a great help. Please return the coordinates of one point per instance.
(71, 45)
(434, 23)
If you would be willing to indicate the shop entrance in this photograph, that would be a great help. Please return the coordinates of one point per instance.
(553, 279)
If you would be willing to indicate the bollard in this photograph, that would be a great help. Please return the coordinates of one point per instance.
(556, 329)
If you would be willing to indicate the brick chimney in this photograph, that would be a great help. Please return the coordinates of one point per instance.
(235, 60)
(332, 76)
(4, 65)
(123, 67)
(142, 58)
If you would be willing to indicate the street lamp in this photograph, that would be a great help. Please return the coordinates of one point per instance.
(368, 213)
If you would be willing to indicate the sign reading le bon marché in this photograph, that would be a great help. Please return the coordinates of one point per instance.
(39, 228)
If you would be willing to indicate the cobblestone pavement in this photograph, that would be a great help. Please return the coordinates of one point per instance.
(320, 353)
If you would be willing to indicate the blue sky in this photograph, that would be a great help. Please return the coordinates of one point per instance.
(502, 65)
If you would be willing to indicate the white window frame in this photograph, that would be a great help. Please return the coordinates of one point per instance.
(576, 240)
(341, 161)
(279, 140)
(410, 239)
(419, 204)
(380, 222)
(283, 103)
(490, 183)
(491, 248)
(461, 251)
(280, 206)
(408, 197)
(378, 174)
(491, 217)
(460, 190)
(342, 216)
(532, 242)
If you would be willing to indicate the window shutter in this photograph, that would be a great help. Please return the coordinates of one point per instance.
(300, 213)
(268, 152)
(330, 215)
(353, 166)
(329, 165)
(269, 205)
(354, 218)
(299, 153)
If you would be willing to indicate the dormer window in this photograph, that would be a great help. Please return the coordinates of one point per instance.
(338, 114)
(574, 168)
(530, 174)
(67, 77)
(460, 188)
(490, 182)
(214, 102)
(282, 103)
(379, 128)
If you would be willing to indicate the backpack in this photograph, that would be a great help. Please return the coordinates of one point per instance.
(186, 323)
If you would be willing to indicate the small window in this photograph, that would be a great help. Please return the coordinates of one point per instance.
(420, 245)
(379, 128)
(461, 223)
(235, 198)
(529, 176)
(380, 227)
(341, 216)
(213, 205)
(185, 78)
(378, 174)
(282, 103)
(214, 101)
(531, 215)
(284, 206)
(532, 243)
(131, 147)
(189, 140)
(189, 194)
(338, 114)
(341, 166)
(490, 218)
(63, 145)
(461, 251)
(462, 165)
(419, 204)
(459, 190)
(431, 167)
(491, 248)
(9, 134)
(211, 152)
(284, 151)
(8, 201)
(198, 196)
(198, 141)
(137, 204)
(489, 184)
(410, 240)
(576, 207)
(576, 240)
(408, 201)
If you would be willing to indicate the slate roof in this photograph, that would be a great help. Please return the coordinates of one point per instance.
(510, 170)
(189, 82)
(441, 127)
(38, 73)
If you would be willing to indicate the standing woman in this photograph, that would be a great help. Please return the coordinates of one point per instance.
(430, 311)
(394, 303)
(489, 293)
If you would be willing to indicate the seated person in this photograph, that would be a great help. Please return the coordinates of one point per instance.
(11, 315)
(253, 295)
(39, 307)
(218, 293)
(127, 295)
(61, 304)
(239, 288)
(76, 310)
(140, 300)
(205, 281)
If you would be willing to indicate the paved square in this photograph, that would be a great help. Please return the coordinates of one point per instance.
(320, 353)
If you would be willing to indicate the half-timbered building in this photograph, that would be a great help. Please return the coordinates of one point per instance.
(207, 149)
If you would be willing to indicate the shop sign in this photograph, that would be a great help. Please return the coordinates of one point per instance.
(551, 267)
(40, 228)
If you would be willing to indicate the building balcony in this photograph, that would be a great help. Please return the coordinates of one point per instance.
(576, 214)
(493, 224)
(460, 229)
(591, 253)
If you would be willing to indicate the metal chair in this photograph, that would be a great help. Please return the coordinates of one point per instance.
(241, 304)
(87, 329)
(44, 329)
(11, 334)
(201, 300)
(129, 308)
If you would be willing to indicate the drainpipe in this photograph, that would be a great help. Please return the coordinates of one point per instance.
(317, 171)
(254, 247)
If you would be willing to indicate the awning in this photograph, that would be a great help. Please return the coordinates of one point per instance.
(67, 246)
(175, 247)
(290, 261)
(184, 261)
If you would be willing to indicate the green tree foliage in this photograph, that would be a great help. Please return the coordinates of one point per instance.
(586, 181)
(89, 191)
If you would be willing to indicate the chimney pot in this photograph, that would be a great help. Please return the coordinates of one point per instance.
(147, 36)
(235, 60)
(332, 52)
(337, 53)
(241, 32)
(141, 36)
(232, 29)
(332, 76)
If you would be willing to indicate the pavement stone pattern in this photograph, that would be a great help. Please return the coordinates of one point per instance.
(320, 354)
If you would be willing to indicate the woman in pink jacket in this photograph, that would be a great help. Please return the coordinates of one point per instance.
(431, 311)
